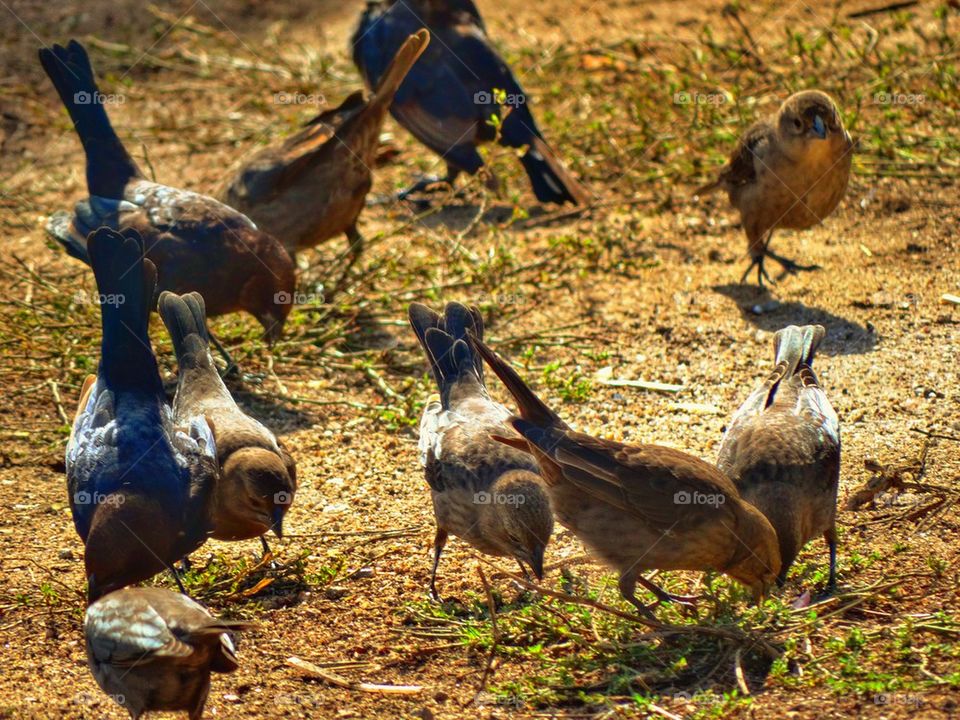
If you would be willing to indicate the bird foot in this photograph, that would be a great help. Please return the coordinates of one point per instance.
(428, 184)
(791, 267)
(762, 274)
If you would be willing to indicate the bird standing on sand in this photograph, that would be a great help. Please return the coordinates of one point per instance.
(641, 507)
(484, 492)
(150, 649)
(195, 242)
(258, 478)
(312, 187)
(789, 173)
(138, 480)
(782, 449)
(448, 99)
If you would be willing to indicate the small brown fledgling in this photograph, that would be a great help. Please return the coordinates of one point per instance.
(150, 649)
(483, 491)
(642, 507)
(258, 478)
(790, 173)
(312, 187)
(139, 479)
(196, 243)
(782, 449)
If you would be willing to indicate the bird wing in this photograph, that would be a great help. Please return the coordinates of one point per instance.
(741, 168)
(664, 487)
(125, 630)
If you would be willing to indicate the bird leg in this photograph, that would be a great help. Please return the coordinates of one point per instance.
(439, 540)
(430, 184)
(663, 596)
(628, 585)
(178, 580)
(267, 552)
(353, 253)
(831, 537)
(232, 367)
(756, 261)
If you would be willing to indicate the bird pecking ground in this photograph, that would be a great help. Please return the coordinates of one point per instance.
(643, 100)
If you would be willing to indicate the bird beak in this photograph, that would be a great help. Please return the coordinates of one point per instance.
(819, 128)
(277, 526)
(536, 561)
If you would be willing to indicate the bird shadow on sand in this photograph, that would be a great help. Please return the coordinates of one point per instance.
(844, 337)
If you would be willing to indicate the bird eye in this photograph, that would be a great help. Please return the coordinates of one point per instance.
(798, 123)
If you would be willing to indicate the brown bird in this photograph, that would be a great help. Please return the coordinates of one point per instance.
(195, 242)
(790, 172)
(258, 478)
(139, 479)
(642, 507)
(152, 649)
(312, 187)
(483, 491)
(782, 449)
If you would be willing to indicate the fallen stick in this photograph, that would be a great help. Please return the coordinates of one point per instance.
(643, 384)
(948, 298)
(338, 680)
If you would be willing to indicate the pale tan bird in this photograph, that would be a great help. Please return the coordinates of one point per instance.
(484, 492)
(150, 649)
(642, 507)
(258, 479)
(782, 449)
(790, 172)
(313, 186)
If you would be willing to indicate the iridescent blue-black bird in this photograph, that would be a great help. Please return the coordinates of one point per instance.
(138, 484)
(447, 99)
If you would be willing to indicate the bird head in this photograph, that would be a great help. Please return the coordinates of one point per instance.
(255, 490)
(757, 560)
(269, 293)
(808, 117)
(524, 519)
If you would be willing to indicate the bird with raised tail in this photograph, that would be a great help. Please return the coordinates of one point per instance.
(150, 649)
(449, 98)
(139, 478)
(782, 449)
(788, 172)
(641, 507)
(312, 186)
(258, 477)
(486, 493)
(196, 243)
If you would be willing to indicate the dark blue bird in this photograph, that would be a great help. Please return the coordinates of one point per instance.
(447, 99)
(138, 484)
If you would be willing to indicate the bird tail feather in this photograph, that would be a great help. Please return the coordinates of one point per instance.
(397, 70)
(446, 342)
(109, 166)
(186, 319)
(126, 281)
(531, 408)
(551, 181)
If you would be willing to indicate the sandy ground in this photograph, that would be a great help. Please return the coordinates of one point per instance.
(644, 287)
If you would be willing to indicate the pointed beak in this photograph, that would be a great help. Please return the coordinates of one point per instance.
(819, 128)
(536, 561)
(278, 512)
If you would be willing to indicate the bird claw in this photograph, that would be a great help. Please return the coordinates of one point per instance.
(762, 274)
(791, 267)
